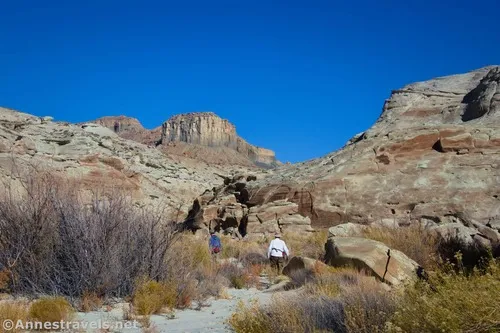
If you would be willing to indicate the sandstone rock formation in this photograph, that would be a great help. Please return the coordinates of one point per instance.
(431, 158)
(97, 157)
(131, 129)
(432, 155)
(202, 136)
(388, 265)
(225, 208)
(207, 129)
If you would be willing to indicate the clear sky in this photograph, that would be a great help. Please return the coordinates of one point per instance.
(298, 77)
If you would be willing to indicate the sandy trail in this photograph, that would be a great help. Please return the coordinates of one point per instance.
(208, 319)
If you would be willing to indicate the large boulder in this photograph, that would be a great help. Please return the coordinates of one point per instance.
(346, 230)
(302, 263)
(373, 257)
(473, 233)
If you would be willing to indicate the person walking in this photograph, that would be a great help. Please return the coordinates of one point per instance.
(277, 252)
(214, 244)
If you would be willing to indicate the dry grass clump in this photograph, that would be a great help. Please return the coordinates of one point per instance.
(451, 302)
(311, 245)
(51, 310)
(187, 255)
(413, 240)
(338, 300)
(237, 276)
(282, 317)
(367, 306)
(246, 251)
(13, 310)
(90, 301)
(150, 297)
(345, 300)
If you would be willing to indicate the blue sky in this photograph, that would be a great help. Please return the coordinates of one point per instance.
(299, 77)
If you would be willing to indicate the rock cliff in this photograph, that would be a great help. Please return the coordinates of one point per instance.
(201, 136)
(433, 156)
(207, 129)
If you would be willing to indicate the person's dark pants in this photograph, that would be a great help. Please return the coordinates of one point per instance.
(277, 262)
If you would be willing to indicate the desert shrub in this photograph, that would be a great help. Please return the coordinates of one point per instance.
(299, 277)
(281, 317)
(451, 302)
(151, 296)
(323, 285)
(188, 263)
(236, 275)
(51, 310)
(250, 319)
(186, 292)
(289, 315)
(246, 251)
(323, 314)
(344, 299)
(212, 286)
(187, 257)
(464, 256)
(90, 302)
(413, 240)
(367, 306)
(334, 300)
(13, 310)
(55, 241)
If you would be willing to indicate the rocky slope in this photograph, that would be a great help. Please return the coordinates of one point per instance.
(433, 156)
(201, 135)
(131, 129)
(97, 157)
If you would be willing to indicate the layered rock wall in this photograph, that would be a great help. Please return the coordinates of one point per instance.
(207, 129)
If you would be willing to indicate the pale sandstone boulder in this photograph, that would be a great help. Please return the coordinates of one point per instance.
(346, 230)
(375, 258)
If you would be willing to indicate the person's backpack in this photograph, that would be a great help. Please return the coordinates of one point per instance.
(215, 244)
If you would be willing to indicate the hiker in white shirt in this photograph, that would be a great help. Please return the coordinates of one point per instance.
(277, 252)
